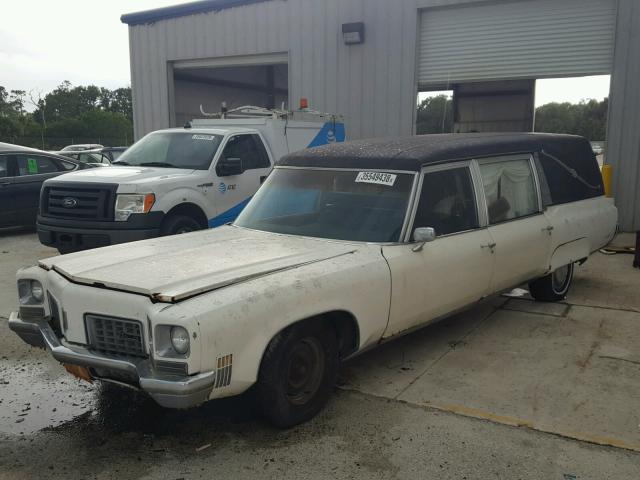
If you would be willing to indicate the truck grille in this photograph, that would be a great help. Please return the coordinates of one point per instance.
(78, 201)
(115, 335)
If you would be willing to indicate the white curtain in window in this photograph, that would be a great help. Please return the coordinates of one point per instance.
(513, 181)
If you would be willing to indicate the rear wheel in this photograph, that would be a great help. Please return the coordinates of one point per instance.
(297, 373)
(177, 224)
(554, 286)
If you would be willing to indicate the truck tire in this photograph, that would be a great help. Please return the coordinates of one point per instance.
(176, 224)
(552, 287)
(297, 373)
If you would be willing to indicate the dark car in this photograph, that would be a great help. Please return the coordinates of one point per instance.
(22, 171)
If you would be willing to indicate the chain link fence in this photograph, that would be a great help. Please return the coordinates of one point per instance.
(58, 143)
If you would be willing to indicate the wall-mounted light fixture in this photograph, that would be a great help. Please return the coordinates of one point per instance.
(353, 33)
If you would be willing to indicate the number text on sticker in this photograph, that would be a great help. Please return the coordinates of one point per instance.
(379, 178)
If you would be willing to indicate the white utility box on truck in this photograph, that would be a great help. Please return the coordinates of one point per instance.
(177, 180)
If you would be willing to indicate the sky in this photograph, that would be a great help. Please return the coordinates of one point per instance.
(83, 41)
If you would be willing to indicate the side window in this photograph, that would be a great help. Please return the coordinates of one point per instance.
(510, 189)
(248, 148)
(447, 202)
(4, 166)
(68, 165)
(36, 165)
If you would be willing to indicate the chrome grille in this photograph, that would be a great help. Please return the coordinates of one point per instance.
(115, 335)
(78, 202)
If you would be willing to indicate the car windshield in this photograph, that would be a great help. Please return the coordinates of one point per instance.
(336, 204)
(172, 149)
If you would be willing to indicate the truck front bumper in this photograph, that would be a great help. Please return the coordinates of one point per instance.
(74, 235)
(171, 391)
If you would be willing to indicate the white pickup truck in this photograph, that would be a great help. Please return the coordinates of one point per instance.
(177, 180)
(343, 247)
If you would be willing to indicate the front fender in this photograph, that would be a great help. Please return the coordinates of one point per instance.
(166, 201)
(239, 321)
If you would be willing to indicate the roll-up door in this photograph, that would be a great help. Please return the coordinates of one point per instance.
(520, 39)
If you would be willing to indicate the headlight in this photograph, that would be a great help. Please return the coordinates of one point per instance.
(128, 204)
(30, 292)
(180, 340)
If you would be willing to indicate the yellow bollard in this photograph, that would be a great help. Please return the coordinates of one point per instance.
(607, 178)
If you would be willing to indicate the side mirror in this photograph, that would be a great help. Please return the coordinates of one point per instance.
(423, 235)
(229, 166)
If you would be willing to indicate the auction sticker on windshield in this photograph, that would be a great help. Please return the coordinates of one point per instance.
(203, 137)
(379, 178)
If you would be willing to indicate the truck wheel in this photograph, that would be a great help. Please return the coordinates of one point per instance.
(552, 287)
(177, 224)
(297, 373)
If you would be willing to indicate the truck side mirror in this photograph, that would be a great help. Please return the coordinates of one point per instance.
(229, 166)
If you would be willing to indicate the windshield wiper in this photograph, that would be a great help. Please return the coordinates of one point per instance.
(157, 164)
(119, 162)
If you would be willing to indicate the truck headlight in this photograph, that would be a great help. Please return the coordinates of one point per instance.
(180, 339)
(30, 292)
(126, 204)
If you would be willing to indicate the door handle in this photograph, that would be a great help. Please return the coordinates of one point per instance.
(4, 184)
(490, 246)
(548, 229)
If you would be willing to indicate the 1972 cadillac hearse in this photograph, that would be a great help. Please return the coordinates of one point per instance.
(343, 246)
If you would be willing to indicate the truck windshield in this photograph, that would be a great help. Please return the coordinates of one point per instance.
(172, 150)
(336, 204)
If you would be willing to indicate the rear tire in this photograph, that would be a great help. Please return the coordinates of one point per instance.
(554, 286)
(177, 224)
(297, 373)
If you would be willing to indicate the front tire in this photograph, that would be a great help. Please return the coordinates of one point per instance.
(177, 224)
(297, 373)
(554, 286)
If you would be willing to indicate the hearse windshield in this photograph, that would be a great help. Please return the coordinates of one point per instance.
(172, 150)
(364, 206)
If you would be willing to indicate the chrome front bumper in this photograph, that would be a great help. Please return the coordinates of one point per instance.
(168, 391)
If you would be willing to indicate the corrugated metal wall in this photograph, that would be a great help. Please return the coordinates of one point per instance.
(623, 130)
(545, 38)
(371, 84)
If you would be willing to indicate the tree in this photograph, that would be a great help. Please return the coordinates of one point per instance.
(435, 115)
(587, 118)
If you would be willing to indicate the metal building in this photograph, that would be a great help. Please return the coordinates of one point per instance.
(368, 59)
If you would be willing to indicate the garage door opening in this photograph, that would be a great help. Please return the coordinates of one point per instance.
(257, 85)
(435, 112)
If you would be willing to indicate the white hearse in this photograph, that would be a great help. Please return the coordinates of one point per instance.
(178, 180)
(343, 247)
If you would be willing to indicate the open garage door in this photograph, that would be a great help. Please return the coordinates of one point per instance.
(260, 80)
(525, 39)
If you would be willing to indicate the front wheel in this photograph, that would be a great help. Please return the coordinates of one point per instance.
(177, 224)
(554, 286)
(297, 373)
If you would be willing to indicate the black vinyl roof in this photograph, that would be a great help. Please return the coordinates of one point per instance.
(412, 153)
(203, 6)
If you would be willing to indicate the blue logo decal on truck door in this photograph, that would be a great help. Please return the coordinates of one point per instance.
(228, 215)
(329, 133)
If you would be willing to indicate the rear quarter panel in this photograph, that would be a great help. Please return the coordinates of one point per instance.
(580, 228)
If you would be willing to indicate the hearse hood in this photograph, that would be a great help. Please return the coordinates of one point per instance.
(170, 269)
